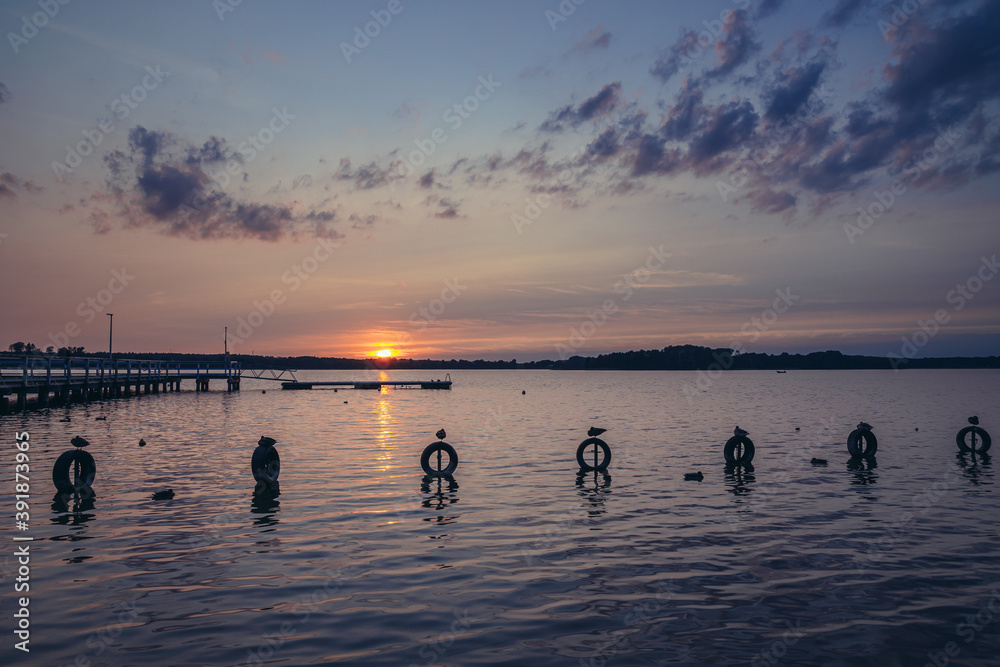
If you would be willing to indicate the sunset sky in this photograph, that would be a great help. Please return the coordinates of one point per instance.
(501, 179)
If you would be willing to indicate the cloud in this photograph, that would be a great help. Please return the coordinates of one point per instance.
(842, 14)
(427, 180)
(768, 7)
(4, 93)
(793, 89)
(675, 57)
(368, 176)
(11, 184)
(303, 181)
(161, 182)
(736, 45)
(598, 38)
(605, 101)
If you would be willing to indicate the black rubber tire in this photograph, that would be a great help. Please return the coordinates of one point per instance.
(748, 450)
(984, 438)
(63, 471)
(265, 464)
(603, 464)
(439, 446)
(854, 443)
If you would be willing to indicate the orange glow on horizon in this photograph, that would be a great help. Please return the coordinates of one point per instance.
(386, 353)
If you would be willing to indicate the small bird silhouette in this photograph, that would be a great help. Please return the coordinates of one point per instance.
(78, 442)
(142, 442)
(796, 428)
(974, 420)
(740, 432)
(100, 419)
(818, 462)
(594, 431)
(441, 435)
(163, 495)
(522, 392)
(266, 442)
(863, 426)
(694, 476)
(64, 419)
(263, 391)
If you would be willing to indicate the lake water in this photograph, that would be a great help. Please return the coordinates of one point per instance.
(520, 561)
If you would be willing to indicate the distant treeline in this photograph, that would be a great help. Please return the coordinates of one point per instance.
(672, 358)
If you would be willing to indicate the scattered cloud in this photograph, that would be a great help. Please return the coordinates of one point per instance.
(163, 183)
(4, 93)
(598, 38)
(10, 185)
(604, 102)
(842, 14)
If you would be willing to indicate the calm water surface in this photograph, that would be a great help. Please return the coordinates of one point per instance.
(520, 561)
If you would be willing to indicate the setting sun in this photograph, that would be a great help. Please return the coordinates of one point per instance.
(385, 353)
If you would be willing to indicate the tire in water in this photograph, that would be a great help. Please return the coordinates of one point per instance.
(433, 448)
(747, 454)
(984, 439)
(64, 474)
(265, 464)
(855, 440)
(582, 449)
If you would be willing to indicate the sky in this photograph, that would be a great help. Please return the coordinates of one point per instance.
(501, 180)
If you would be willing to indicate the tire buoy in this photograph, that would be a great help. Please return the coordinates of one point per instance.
(265, 463)
(581, 456)
(438, 447)
(74, 470)
(862, 434)
(739, 450)
(967, 444)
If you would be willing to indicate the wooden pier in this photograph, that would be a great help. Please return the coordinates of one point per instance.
(365, 384)
(55, 381)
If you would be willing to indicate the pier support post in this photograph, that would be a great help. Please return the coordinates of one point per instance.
(22, 400)
(43, 396)
(4, 405)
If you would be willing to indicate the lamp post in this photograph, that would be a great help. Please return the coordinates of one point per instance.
(111, 323)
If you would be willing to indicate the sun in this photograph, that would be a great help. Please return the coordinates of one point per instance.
(385, 353)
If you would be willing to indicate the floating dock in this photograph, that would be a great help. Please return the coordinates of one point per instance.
(365, 384)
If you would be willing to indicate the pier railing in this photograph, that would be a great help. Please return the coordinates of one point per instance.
(27, 371)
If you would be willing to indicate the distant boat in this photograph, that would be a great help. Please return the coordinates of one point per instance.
(780, 371)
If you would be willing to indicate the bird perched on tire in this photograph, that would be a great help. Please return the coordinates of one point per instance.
(78, 442)
(440, 435)
(974, 420)
(862, 426)
(266, 441)
(594, 431)
(739, 433)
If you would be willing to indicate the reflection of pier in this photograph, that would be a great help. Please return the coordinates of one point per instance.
(60, 380)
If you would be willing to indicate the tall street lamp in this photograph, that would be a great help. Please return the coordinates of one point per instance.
(111, 323)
